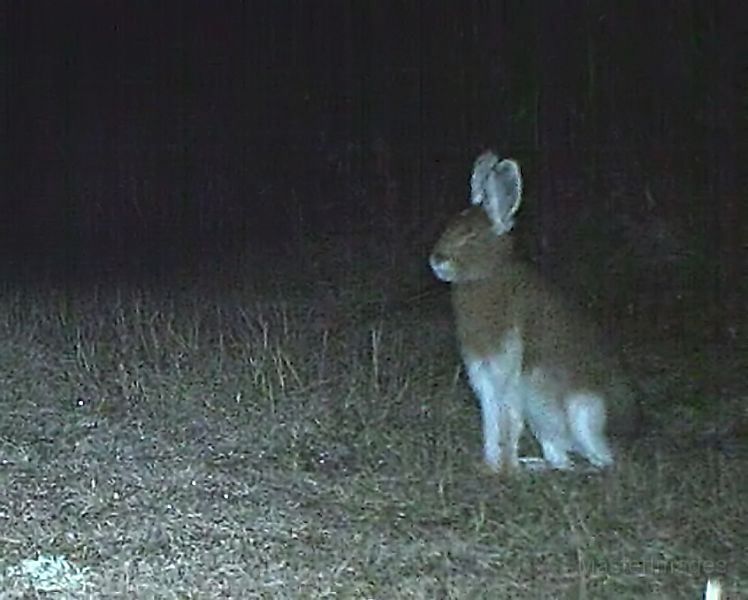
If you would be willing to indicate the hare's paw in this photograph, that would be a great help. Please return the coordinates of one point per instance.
(501, 467)
(534, 463)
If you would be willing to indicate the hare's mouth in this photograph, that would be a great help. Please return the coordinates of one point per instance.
(442, 268)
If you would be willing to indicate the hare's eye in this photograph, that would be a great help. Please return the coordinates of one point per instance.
(467, 238)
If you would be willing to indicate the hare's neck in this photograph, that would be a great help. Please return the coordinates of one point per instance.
(486, 310)
(494, 285)
(489, 297)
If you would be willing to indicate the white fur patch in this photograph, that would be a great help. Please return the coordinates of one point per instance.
(561, 421)
(442, 269)
(495, 380)
(586, 416)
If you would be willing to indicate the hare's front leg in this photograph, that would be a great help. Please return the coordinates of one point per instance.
(495, 382)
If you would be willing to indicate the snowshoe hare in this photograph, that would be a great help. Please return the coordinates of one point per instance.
(528, 358)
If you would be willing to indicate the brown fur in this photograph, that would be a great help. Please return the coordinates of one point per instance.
(495, 294)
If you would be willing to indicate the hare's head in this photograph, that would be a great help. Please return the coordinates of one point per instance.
(475, 241)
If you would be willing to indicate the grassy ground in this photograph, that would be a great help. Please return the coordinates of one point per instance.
(278, 441)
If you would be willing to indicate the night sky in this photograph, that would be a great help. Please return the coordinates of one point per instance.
(151, 131)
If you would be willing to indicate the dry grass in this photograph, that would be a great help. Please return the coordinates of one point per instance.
(229, 443)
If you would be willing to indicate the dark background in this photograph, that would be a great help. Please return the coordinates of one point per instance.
(157, 136)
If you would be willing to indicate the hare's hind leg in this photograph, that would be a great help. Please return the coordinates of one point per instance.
(586, 417)
(494, 381)
(547, 419)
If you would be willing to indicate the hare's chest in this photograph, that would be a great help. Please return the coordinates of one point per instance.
(492, 372)
(488, 324)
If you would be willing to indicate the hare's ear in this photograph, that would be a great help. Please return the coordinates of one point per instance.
(482, 168)
(497, 186)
